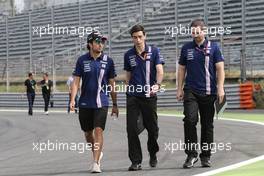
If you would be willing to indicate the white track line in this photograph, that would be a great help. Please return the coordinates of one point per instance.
(231, 167)
(246, 121)
(212, 172)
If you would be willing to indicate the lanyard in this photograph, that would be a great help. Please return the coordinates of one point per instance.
(204, 50)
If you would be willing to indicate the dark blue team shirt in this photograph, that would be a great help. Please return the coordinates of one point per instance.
(137, 66)
(193, 57)
(89, 70)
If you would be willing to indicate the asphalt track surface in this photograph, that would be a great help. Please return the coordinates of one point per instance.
(18, 132)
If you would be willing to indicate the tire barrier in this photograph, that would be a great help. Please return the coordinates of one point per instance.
(246, 96)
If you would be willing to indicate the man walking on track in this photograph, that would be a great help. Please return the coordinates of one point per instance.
(144, 73)
(203, 63)
(46, 86)
(97, 72)
(30, 84)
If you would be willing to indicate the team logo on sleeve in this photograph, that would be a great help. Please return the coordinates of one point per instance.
(161, 57)
(103, 64)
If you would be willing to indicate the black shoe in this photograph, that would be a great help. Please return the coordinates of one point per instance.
(189, 162)
(135, 167)
(153, 161)
(205, 161)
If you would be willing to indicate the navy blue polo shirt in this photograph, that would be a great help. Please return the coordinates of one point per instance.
(94, 73)
(201, 70)
(134, 63)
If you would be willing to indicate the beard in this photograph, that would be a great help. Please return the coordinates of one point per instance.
(199, 38)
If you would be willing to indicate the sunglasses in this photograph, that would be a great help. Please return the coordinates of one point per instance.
(99, 41)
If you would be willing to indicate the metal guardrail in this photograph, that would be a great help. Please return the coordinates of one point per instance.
(165, 99)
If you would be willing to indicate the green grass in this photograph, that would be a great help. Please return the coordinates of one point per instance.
(13, 88)
(255, 169)
(169, 84)
(21, 88)
(169, 111)
(242, 116)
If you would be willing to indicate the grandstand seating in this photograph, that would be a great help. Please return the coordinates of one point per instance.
(158, 14)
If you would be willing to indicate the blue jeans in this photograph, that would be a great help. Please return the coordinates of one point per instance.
(46, 97)
(31, 98)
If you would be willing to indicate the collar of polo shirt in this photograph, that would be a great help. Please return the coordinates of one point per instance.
(143, 53)
(100, 57)
(203, 45)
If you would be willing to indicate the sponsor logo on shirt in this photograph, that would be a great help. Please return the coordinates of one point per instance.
(132, 60)
(86, 66)
(190, 54)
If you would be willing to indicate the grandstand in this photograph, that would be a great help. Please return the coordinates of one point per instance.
(57, 53)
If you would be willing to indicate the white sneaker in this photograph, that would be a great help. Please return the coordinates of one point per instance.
(96, 168)
(46, 112)
(100, 158)
(99, 161)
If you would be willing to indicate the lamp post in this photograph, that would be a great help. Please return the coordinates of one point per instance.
(5, 15)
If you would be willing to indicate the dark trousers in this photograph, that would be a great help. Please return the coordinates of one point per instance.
(204, 104)
(46, 97)
(31, 98)
(148, 108)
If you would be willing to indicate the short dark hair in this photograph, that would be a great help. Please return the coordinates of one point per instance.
(88, 47)
(137, 28)
(46, 74)
(198, 22)
(30, 74)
